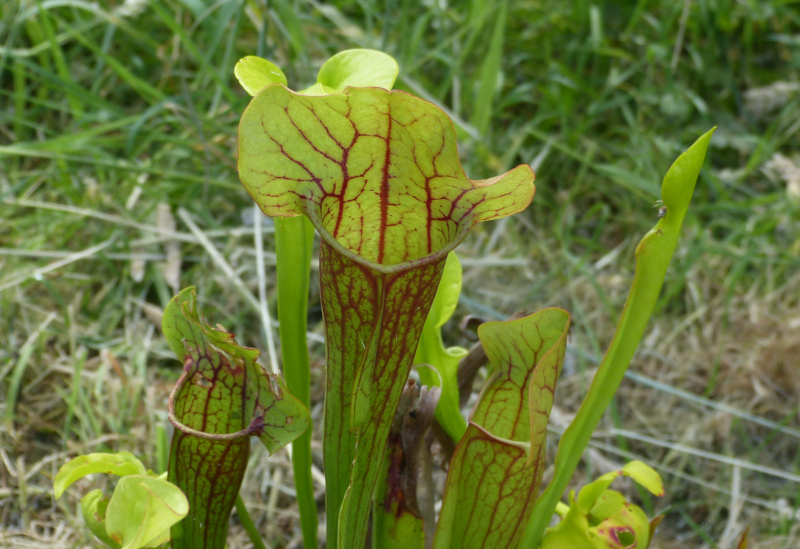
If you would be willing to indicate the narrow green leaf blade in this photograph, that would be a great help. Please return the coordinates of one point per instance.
(497, 469)
(294, 243)
(120, 464)
(490, 71)
(653, 255)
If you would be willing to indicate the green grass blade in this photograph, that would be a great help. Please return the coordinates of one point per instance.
(19, 369)
(653, 255)
(247, 524)
(58, 57)
(294, 238)
(490, 71)
(194, 51)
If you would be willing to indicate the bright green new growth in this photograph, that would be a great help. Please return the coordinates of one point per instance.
(431, 350)
(223, 397)
(160, 504)
(121, 464)
(378, 174)
(254, 73)
(142, 509)
(653, 255)
(601, 519)
(497, 469)
(358, 68)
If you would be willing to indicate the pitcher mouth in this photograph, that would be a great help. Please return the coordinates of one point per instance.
(433, 257)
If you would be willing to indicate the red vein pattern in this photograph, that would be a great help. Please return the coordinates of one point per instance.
(222, 399)
(372, 323)
(378, 174)
(379, 169)
(494, 479)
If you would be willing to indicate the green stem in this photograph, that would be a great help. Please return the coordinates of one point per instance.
(294, 237)
(247, 523)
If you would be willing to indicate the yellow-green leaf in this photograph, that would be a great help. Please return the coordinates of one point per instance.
(254, 73)
(120, 464)
(497, 468)
(93, 509)
(599, 518)
(142, 510)
(360, 68)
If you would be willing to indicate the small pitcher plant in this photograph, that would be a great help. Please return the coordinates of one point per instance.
(376, 173)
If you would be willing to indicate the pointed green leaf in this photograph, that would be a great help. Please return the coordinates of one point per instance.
(223, 397)
(93, 509)
(497, 469)
(142, 510)
(121, 464)
(378, 175)
(645, 476)
(653, 255)
(431, 350)
(362, 68)
(254, 73)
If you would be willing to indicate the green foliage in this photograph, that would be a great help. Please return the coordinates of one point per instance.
(254, 73)
(444, 360)
(222, 399)
(331, 158)
(497, 469)
(293, 247)
(360, 68)
(598, 98)
(121, 464)
(142, 509)
(159, 504)
(653, 255)
(599, 518)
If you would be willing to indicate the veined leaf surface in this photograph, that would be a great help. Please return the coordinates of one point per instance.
(376, 171)
(497, 469)
(223, 397)
(378, 174)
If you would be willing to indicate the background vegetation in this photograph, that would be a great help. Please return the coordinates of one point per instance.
(118, 186)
